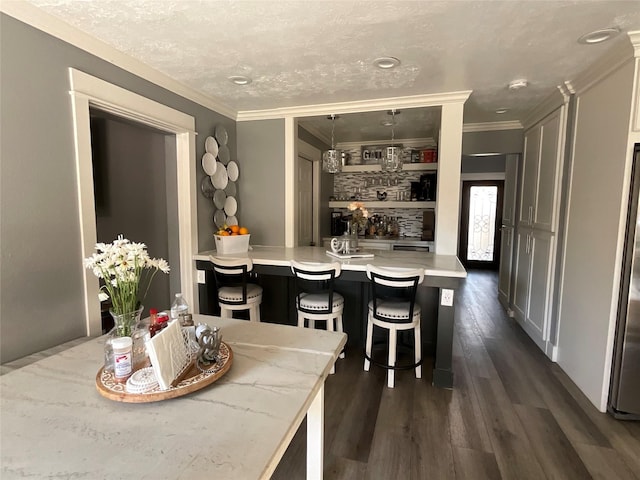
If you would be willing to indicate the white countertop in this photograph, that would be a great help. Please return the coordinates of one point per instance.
(54, 422)
(433, 264)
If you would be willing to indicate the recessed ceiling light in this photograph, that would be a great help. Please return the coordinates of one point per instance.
(386, 63)
(386, 123)
(500, 111)
(240, 80)
(598, 36)
(518, 84)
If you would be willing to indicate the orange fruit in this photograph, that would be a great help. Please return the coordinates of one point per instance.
(244, 231)
(234, 228)
(234, 234)
(224, 233)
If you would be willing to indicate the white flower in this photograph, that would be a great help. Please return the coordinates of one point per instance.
(103, 296)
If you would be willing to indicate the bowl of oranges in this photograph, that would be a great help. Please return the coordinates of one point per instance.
(232, 239)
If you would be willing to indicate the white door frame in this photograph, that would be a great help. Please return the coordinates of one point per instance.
(313, 154)
(88, 91)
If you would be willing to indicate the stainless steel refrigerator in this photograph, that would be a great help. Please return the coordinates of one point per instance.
(624, 394)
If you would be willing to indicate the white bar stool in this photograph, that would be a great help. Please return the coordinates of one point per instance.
(235, 292)
(393, 307)
(316, 299)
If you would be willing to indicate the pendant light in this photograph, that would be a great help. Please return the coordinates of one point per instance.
(392, 160)
(332, 159)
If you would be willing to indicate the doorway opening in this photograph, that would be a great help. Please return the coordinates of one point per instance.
(480, 221)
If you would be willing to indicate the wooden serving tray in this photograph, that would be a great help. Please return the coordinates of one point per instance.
(193, 380)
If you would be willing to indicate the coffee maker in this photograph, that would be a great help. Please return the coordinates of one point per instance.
(338, 224)
(425, 189)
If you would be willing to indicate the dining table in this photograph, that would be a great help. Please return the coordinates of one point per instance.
(55, 423)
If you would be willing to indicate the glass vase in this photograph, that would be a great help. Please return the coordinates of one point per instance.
(353, 237)
(126, 325)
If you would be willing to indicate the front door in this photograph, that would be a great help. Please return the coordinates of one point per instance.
(480, 221)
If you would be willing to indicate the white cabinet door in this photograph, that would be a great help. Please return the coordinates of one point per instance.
(529, 175)
(540, 285)
(510, 188)
(504, 274)
(522, 274)
(548, 171)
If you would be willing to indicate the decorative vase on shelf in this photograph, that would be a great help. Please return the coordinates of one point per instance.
(353, 237)
(125, 325)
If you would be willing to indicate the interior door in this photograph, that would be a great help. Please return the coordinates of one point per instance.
(480, 222)
(305, 202)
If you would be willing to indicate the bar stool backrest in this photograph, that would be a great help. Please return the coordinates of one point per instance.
(315, 278)
(232, 272)
(394, 284)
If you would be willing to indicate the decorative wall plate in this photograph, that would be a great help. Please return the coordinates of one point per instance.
(233, 171)
(221, 135)
(207, 187)
(209, 163)
(211, 146)
(224, 155)
(231, 189)
(219, 199)
(230, 206)
(220, 178)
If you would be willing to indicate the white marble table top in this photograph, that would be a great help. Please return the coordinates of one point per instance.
(433, 264)
(55, 424)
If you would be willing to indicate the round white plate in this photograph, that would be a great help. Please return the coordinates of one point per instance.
(219, 218)
(230, 206)
(233, 171)
(223, 154)
(211, 146)
(221, 135)
(219, 199)
(209, 163)
(231, 189)
(232, 220)
(207, 187)
(220, 178)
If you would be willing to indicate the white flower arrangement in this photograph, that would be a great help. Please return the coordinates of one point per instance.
(127, 270)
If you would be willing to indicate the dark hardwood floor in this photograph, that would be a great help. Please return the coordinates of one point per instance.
(513, 414)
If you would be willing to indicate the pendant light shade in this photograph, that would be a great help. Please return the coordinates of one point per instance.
(332, 159)
(392, 159)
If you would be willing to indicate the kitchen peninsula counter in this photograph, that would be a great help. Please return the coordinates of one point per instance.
(443, 275)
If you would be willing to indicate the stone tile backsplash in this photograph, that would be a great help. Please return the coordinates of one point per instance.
(347, 185)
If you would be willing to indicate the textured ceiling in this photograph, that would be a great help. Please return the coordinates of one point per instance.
(314, 52)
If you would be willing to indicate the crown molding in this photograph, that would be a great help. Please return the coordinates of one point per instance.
(491, 126)
(358, 106)
(41, 20)
(559, 97)
(623, 50)
(316, 133)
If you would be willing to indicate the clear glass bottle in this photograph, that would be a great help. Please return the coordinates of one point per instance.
(179, 306)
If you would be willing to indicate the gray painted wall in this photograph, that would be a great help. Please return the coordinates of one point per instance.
(131, 192)
(326, 183)
(261, 157)
(41, 266)
(494, 163)
(498, 141)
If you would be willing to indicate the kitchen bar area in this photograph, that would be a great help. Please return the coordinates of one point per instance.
(443, 274)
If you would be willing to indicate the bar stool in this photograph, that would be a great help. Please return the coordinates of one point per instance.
(235, 292)
(315, 296)
(393, 307)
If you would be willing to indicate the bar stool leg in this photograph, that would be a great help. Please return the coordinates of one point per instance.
(300, 319)
(225, 312)
(392, 357)
(254, 312)
(340, 328)
(418, 350)
(367, 363)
